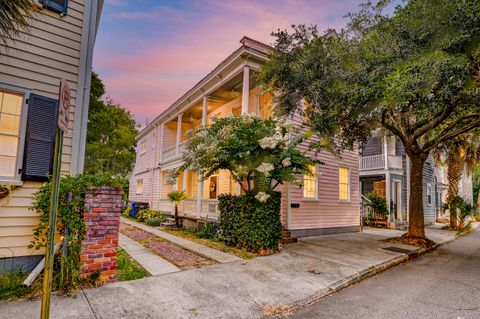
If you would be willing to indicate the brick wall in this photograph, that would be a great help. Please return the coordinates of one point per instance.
(102, 218)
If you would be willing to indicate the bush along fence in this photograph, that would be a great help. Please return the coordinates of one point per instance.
(98, 252)
(247, 223)
(88, 220)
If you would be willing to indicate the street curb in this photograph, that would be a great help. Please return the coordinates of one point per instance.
(360, 276)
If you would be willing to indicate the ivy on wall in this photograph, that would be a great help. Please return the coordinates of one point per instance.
(70, 223)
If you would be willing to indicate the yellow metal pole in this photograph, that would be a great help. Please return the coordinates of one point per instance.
(52, 221)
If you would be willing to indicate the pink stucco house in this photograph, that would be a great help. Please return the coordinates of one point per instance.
(328, 203)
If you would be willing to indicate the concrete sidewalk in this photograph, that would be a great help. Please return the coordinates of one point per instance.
(154, 264)
(304, 272)
(202, 250)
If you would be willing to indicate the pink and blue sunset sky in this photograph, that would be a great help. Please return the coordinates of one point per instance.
(149, 52)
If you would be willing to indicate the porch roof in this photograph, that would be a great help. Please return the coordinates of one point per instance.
(250, 49)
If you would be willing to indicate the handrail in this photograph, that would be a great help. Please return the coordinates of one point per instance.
(365, 198)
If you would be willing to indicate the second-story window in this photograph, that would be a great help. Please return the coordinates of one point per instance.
(139, 189)
(429, 194)
(310, 184)
(143, 147)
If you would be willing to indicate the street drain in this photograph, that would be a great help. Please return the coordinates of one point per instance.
(398, 250)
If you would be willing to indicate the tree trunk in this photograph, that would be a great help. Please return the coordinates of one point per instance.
(416, 222)
(176, 216)
(453, 176)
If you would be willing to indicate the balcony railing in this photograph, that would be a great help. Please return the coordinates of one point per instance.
(181, 147)
(374, 162)
(188, 207)
(395, 162)
(172, 151)
(169, 153)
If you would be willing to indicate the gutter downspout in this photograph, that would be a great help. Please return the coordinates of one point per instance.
(80, 101)
(87, 81)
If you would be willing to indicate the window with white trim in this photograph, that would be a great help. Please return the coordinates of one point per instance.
(344, 183)
(310, 184)
(143, 147)
(139, 189)
(429, 194)
(10, 116)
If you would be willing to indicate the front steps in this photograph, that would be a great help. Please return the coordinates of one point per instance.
(287, 237)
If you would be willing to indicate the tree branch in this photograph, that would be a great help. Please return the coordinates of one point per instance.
(391, 127)
(426, 126)
(449, 133)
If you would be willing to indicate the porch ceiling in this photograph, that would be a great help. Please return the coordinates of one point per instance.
(224, 94)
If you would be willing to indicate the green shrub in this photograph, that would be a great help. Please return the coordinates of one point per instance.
(209, 231)
(127, 212)
(247, 223)
(464, 210)
(145, 214)
(377, 203)
(191, 229)
(11, 286)
(155, 221)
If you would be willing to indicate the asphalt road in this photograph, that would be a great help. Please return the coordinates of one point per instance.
(442, 284)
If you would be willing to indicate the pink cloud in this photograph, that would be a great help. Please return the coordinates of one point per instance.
(154, 14)
(147, 73)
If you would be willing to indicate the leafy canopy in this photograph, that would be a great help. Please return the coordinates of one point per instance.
(415, 73)
(255, 150)
(111, 135)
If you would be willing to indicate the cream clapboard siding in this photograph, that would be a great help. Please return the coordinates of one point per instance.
(38, 61)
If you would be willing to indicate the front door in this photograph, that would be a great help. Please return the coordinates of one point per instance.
(379, 188)
(212, 188)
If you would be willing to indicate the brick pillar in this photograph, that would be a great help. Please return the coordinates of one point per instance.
(102, 219)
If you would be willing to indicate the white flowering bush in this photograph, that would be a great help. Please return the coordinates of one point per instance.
(259, 153)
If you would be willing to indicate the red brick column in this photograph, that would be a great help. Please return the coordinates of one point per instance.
(102, 218)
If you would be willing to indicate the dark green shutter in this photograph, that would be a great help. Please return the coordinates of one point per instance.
(59, 6)
(39, 138)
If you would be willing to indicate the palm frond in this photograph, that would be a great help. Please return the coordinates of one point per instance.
(14, 17)
(176, 196)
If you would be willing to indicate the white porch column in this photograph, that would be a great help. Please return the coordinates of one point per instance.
(185, 180)
(199, 196)
(179, 132)
(204, 110)
(387, 172)
(162, 130)
(245, 89)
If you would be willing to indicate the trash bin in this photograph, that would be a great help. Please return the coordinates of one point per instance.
(134, 206)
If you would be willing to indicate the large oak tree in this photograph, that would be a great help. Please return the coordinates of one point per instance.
(415, 72)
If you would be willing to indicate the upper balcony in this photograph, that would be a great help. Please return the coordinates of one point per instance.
(228, 98)
(380, 153)
(377, 162)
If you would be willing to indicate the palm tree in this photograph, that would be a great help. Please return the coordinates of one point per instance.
(176, 197)
(461, 155)
(14, 16)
